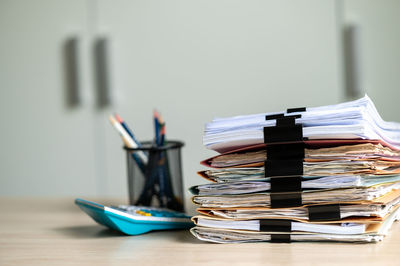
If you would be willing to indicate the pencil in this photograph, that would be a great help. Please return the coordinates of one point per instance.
(128, 141)
(127, 129)
(156, 127)
(162, 139)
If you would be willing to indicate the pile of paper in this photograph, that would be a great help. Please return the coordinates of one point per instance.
(340, 182)
(351, 120)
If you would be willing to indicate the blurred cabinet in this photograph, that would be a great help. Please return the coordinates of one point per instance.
(379, 41)
(47, 144)
(194, 60)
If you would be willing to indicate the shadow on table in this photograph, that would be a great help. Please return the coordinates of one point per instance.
(187, 237)
(88, 231)
(95, 231)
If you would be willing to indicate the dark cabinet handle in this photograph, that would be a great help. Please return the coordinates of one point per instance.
(353, 60)
(103, 72)
(72, 69)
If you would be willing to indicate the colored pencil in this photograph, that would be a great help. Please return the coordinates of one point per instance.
(128, 141)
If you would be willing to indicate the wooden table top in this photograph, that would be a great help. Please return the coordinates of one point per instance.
(55, 232)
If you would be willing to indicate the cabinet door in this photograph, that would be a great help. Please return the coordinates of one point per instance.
(47, 144)
(379, 42)
(194, 60)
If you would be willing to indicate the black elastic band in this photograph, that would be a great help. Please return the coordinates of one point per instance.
(283, 167)
(286, 151)
(281, 115)
(285, 199)
(275, 116)
(280, 238)
(329, 212)
(295, 110)
(275, 225)
(286, 121)
(283, 133)
(285, 183)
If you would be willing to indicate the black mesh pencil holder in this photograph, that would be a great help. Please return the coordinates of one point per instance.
(155, 175)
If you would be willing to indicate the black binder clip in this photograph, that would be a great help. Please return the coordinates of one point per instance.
(289, 110)
(284, 159)
(275, 116)
(285, 130)
(285, 184)
(329, 212)
(275, 225)
(285, 192)
(286, 151)
(284, 164)
(283, 167)
(285, 199)
(280, 238)
(296, 110)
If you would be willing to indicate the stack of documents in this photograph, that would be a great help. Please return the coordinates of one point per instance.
(351, 120)
(336, 179)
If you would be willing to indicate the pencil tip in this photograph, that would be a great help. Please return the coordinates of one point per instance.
(119, 119)
(155, 113)
(111, 118)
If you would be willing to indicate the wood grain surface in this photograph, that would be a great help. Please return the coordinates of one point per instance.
(55, 232)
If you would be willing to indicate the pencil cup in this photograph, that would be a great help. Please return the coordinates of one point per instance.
(155, 175)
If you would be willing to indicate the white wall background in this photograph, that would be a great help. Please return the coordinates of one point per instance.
(192, 60)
